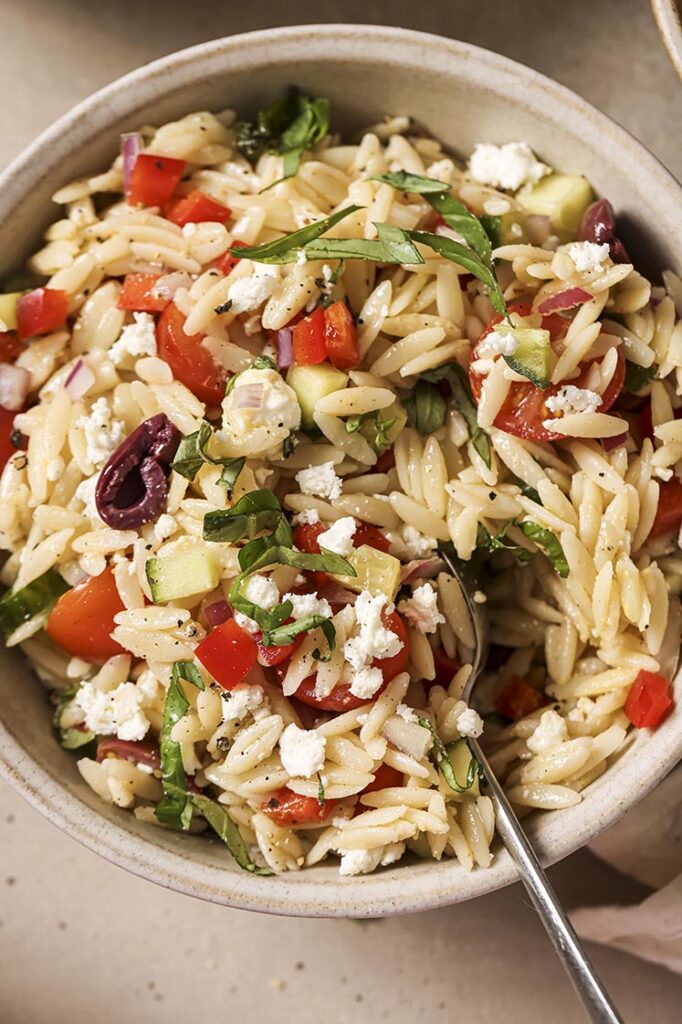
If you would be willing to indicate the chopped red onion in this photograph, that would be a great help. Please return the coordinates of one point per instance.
(336, 594)
(539, 227)
(79, 380)
(249, 396)
(609, 443)
(168, 285)
(15, 382)
(421, 569)
(131, 144)
(285, 348)
(564, 300)
(217, 612)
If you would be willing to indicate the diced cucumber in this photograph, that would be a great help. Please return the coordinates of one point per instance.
(312, 383)
(505, 228)
(533, 356)
(460, 759)
(376, 571)
(181, 574)
(8, 309)
(35, 598)
(561, 197)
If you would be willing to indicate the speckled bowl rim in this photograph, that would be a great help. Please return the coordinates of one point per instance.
(423, 885)
(669, 21)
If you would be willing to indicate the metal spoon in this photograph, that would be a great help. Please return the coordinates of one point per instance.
(584, 978)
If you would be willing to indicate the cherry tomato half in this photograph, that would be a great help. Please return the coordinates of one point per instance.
(669, 511)
(288, 808)
(192, 364)
(138, 294)
(340, 337)
(7, 447)
(82, 620)
(518, 699)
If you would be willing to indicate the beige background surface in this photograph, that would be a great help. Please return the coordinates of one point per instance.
(82, 940)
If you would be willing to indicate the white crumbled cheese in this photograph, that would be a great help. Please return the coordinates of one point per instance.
(417, 544)
(261, 591)
(365, 682)
(189, 229)
(373, 639)
(327, 272)
(498, 342)
(164, 527)
(135, 340)
(302, 751)
(470, 723)
(114, 712)
(320, 481)
(240, 702)
(85, 492)
(549, 732)
(339, 537)
(103, 433)
(259, 413)
(508, 166)
(571, 399)
(587, 256)
(146, 682)
(308, 517)
(301, 258)
(308, 604)
(362, 862)
(421, 610)
(406, 713)
(246, 623)
(249, 293)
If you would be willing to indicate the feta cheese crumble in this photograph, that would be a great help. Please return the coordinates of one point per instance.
(249, 293)
(421, 610)
(416, 544)
(308, 517)
(570, 399)
(116, 712)
(302, 751)
(261, 591)
(246, 623)
(373, 639)
(240, 702)
(362, 862)
(308, 604)
(136, 340)
(470, 723)
(587, 256)
(339, 537)
(508, 166)
(406, 713)
(259, 413)
(499, 342)
(365, 682)
(320, 481)
(103, 433)
(549, 733)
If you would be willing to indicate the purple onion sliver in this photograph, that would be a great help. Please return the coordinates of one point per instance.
(567, 299)
(285, 348)
(217, 612)
(79, 380)
(131, 144)
(609, 443)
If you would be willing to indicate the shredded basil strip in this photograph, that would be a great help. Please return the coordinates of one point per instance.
(464, 403)
(264, 363)
(528, 491)
(498, 542)
(637, 377)
(550, 544)
(175, 809)
(192, 454)
(283, 635)
(440, 755)
(467, 258)
(492, 225)
(222, 824)
(394, 245)
(289, 126)
(285, 249)
(256, 511)
(321, 798)
(426, 408)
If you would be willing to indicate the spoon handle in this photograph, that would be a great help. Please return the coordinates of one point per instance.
(595, 999)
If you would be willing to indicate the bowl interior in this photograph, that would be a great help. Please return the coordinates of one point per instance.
(463, 95)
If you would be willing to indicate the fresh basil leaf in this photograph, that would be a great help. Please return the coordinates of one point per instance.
(440, 756)
(498, 542)
(230, 474)
(282, 635)
(325, 562)
(222, 824)
(264, 363)
(321, 798)
(467, 258)
(310, 127)
(381, 427)
(393, 246)
(463, 402)
(289, 126)
(281, 536)
(425, 408)
(492, 225)
(256, 511)
(637, 377)
(528, 491)
(406, 182)
(550, 544)
(174, 809)
(285, 249)
(336, 275)
(254, 139)
(192, 453)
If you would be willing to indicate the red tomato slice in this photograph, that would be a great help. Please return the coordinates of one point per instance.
(154, 179)
(525, 407)
(341, 699)
(288, 808)
(196, 208)
(41, 311)
(518, 699)
(649, 700)
(227, 262)
(229, 654)
(669, 511)
(191, 363)
(138, 295)
(82, 620)
(385, 777)
(308, 335)
(340, 337)
(305, 539)
(268, 656)
(445, 669)
(10, 348)
(7, 448)
(371, 536)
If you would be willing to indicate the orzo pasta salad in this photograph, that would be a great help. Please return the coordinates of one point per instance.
(254, 380)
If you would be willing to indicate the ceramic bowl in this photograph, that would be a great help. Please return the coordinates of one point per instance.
(668, 14)
(464, 95)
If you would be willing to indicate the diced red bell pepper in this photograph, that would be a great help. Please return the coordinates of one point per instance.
(649, 700)
(196, 208)
(372, 537)
(518, 699)
(138, 294)
(288, 808)
(10, 347)
(309, 341)
(669, 511)
(385, 777)
(154, 179)
(228, 261)
(228, 653)
(7, 448)
(340, 337)
(41, 311)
